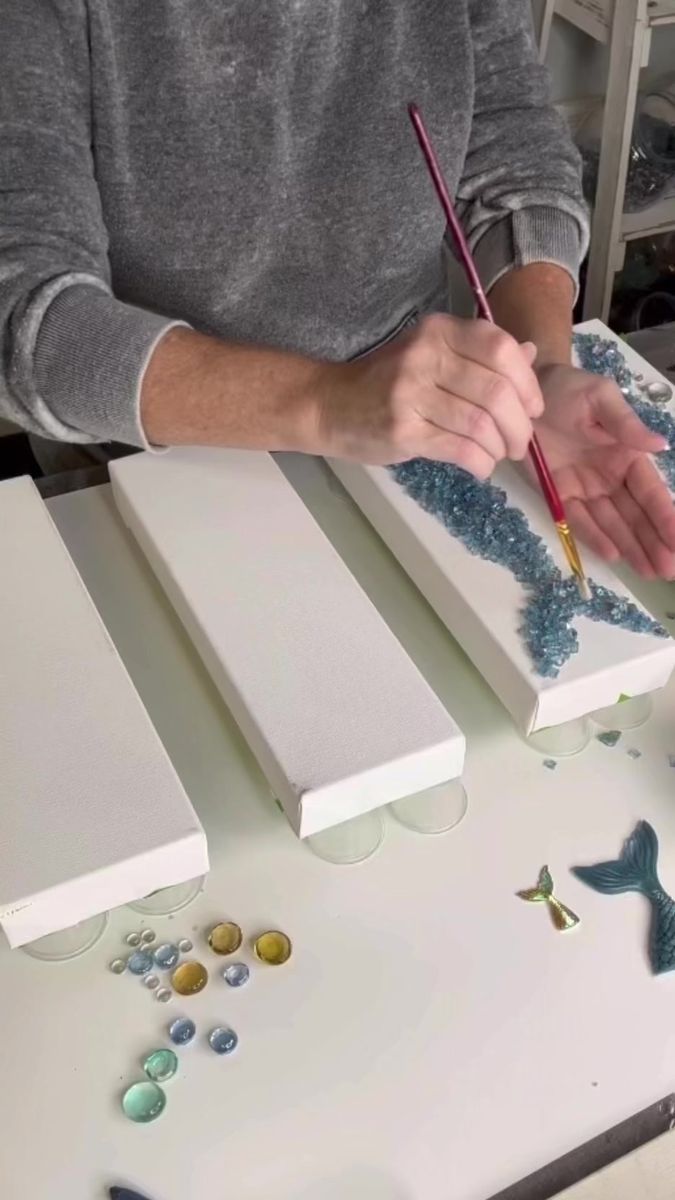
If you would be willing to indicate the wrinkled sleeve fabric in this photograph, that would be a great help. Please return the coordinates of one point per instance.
(72, 355)
(520, 196)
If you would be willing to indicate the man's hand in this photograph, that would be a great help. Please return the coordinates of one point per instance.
(599, 454)
(459, 391)
(456, 391)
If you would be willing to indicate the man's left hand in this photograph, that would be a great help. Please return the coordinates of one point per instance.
(599, 453)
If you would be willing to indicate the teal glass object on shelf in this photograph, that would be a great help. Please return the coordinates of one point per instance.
(143, 1102)
(635, 871)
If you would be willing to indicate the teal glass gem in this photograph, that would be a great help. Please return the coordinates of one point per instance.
(609, 738)
(140, 962)
(160, 1065)
(182, 1031)
(223, 1040)
(166, 956)
(236, 974)
(143, 1102)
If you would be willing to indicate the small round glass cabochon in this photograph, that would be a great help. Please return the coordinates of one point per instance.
(273, 947)
(160, 1065)
(143, 1102)
(166, 956)
(182, 1031)
(189, 978)
(140, 962)
(223, 1040)
(237, 974)
(225, 938)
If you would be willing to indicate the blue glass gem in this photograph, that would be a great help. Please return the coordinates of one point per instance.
(166, 956)
(182, 1031)
(223, 1040)
(140, 962)
(236, 974)
(609, 738)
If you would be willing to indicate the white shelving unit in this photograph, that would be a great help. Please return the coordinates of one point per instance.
(626, 27)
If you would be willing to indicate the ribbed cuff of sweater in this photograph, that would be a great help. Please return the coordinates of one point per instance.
(530, 235)
(89, 358)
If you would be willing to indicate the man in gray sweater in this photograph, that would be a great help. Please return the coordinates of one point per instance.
(216, 229)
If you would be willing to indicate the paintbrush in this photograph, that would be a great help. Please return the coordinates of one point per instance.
(550, 491)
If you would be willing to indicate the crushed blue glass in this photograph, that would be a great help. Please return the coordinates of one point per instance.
(550, 764)
(182, 1031)
(478, 514)
(609, 738)
(140, 962)
(603, 356)
(236, 974)
(671, 760)
(223, 1040)
(633, 752)
(166, 956)
(670, 616)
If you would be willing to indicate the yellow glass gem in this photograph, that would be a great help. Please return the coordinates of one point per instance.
(273, 948)
(225, 938)
(189, 978)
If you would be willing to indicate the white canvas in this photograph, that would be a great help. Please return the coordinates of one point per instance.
(481, 602)
(338, 716)
(92, 813)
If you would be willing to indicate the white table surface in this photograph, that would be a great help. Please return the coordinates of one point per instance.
(433, 1037)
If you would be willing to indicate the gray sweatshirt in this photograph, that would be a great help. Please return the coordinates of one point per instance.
(247, 167)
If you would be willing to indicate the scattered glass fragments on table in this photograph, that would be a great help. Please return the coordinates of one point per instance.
(609, 737)
(550, 764)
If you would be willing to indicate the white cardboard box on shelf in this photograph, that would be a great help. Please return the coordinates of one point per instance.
(92, 813)
(338, 716)
(480, 602)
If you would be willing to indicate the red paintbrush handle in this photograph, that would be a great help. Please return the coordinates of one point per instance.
(546, 483)
(544, 476)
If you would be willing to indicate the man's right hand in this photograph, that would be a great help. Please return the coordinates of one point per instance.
(452, 390)
(457, 391)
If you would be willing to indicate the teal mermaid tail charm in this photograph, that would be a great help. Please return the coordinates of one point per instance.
(563, 918)
(635, 871)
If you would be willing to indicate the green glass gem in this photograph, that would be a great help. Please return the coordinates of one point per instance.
(160, 1065)
(143, 1102)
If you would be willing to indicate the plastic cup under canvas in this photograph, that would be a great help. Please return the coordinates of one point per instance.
(627, 714)
(351, 842)
(169, 900)
(561, 741)
(435, 810)
(68, 943)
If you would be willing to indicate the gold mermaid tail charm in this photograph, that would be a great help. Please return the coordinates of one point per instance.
(563, 918)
